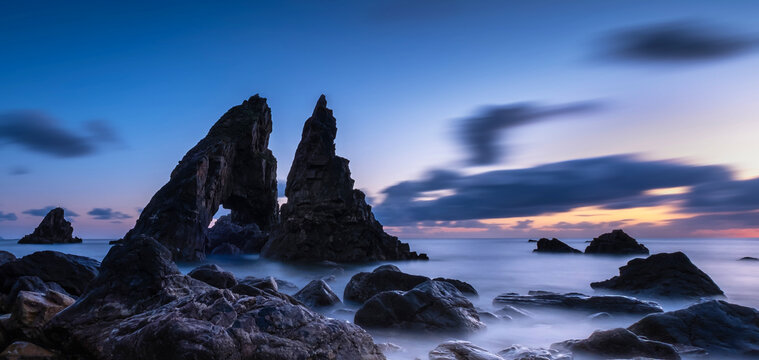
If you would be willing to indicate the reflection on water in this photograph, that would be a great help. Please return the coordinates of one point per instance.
(495, 266)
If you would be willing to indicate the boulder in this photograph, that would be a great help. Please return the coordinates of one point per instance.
(579, 302)
(54, 229)
(555, 246)
(6, 257)
(325, 218)
(461, 350)
(226, 249)
(268, 282)
(248, 238)
(722, 329)
(665, 275)
(213, 275)
(617, 344)
(28, 283)
(32, 310)
(616, 242)
(231, 167)
(364, 285)
(317, 294)
(431, 306)
(464, 287)
(22, 350)
(519, 352)
(142, 307)
(73, 273)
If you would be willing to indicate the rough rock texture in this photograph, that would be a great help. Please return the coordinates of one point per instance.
(462, 286)
(28, 283)
(233, 167)
(519, 352)
(555, 246)
(213, 275)
(142, 307)
(618, 344)
(579, 302)
(6, 257)
(717, 326)
(325, 218)
(670, 275)
(364, 285)
(73, 273)
(615, 243)
(461, 350)
(53, 229)
(248, 238)
(317, 294)
(32, 310)
(22, 350)
(432, 305)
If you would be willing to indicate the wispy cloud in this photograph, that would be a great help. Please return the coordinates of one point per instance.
(45, 210)
(7, 216)
(107, 214)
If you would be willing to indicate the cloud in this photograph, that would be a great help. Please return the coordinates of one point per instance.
(723, 196)
(7, 216)
(41, 133)
(677, 42)
(45, 210)
(480, 133)
(18, 170)
(550, 188)
(523, 224)
(107, 214)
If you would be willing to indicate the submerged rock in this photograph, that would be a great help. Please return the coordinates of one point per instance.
(231, 167)
(720, 328)
(665, 275)
(317, 294)
(616, 242)
(225, 235)
(617, 344)
(555, 246)
(73, 273)
(745, 258)
(461, 350)
(432, 306)
(364, 285)
(325, 218)
(54, 229)
(580, 302)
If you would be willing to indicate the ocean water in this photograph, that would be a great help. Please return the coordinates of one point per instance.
(494, 266)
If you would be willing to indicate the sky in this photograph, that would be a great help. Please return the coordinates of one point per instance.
(460, 118)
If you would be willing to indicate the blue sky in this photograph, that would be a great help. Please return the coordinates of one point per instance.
(399, 75)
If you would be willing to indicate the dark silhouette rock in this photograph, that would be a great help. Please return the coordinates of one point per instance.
(431, 306)
(617, 344)
(665, 275)
(464, 287)
(226, 249)
(213, 275)
(555, 246)
(745, 258)
(364, 285)
(720, 328)
(6, 257)
(231, 167)
(142, 307)
(461, 350)
(54, 229)
(325, 218)
(225, 234)
(317, 294)
(579, 302)
(616, 242)
(73, 273)
(532, 241)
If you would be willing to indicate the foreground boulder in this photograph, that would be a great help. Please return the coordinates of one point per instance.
(364, 285)
(54, 229)
(142, 307)
(231, 167)
(32, 311)
(28, 283)
(665, 275)
(325, 218)
(431, 306)
(461, 350)
(579, 302)
(616, 242)
(73, 273)
(225, 235)
(720, 328)
(6, 257)
(617, 344)
(555, 246)
(22, 350)
(317, 294)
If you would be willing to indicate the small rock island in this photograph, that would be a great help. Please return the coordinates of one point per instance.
(54, 229)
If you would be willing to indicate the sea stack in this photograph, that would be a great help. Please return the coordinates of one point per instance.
(232, 167)
(54, 229)
(325, 218)
(616, 242)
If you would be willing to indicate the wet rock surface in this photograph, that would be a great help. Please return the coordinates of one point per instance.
(461, 350)
(325, 218)
(462, 286)
(554, 246)
(213, 275)
(665, 275)
(54, 229)
(71, 272)
(317, 294)
(579, 302)
(32, 310)
(616, 242)
(617, 344)
(364, 285)
(22, 350)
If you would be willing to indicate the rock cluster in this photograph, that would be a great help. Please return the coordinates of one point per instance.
(579, 302)
(364, 285)
(325, 218)
(228, 238)
(54, 229)
(617, 344)
(616, 242)
(555, 246)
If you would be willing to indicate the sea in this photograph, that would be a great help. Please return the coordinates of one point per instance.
(493, 267)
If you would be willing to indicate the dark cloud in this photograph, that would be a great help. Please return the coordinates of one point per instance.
(549, 188)
(676, 42)
(41, 133)
(7, 216)
(45, 210)
(18, 170)
(480, 134)
(523, 224)
(724, 196)
(107, 214)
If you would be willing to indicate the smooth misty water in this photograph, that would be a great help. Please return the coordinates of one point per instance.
(495, 266)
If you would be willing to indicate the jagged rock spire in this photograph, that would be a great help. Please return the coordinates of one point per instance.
(53, 229)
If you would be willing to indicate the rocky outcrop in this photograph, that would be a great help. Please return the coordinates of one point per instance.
(616, 242)
(71, 272)
(317, 294)
(54, 229)
(6, 257)
(555, 246)
(22, 350)
(325, 218)
(617, 344)
(213, 275)
(142, 307)
(461, 350)
(579, 302)
(722, 329)
(364, 285)
(665, 275)
(231, 167)
(431, 306)
(225, 235)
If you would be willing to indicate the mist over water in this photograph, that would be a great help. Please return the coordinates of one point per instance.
(493, 267)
